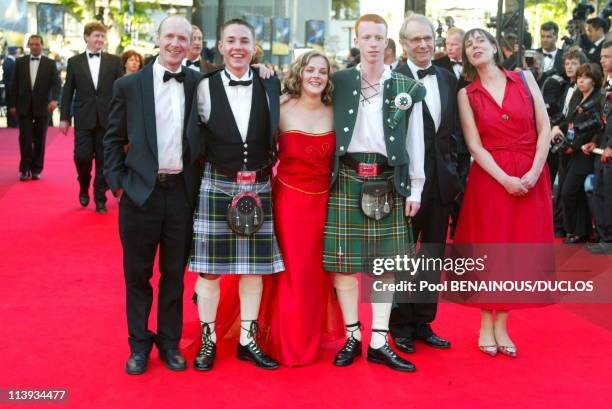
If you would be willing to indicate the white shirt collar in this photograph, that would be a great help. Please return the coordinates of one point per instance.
(414, 68)
(601, 40)
(247, 76)
(39, 56)
(88, 51)
(158, 69)
(385, 75)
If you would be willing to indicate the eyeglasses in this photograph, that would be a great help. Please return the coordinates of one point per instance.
(414, 41)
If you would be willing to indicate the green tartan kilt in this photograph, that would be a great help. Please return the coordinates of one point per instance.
(353, 240)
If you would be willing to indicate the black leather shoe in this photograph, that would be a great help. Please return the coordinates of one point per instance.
(24, 176)
(574, 240)
(253, 353)
(351, 348)
(35, 176)
(385, 356)
(83, 198)
(208, 350)
(101, 208)
(405, 344)
(434, 341)
(137, 363)
(173, 359)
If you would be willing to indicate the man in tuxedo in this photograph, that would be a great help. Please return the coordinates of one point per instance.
(35, 90)
(453, 63)
(8, 66)
(156, 182)
(86, 97)
(596, 30)
(411, 320)
(553, 57)
(194, 58)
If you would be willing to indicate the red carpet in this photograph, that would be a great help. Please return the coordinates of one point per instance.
(63, 326)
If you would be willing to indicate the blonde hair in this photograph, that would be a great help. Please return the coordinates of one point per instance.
(292, 84)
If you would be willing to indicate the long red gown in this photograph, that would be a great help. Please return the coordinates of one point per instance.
(489, 214)
(302, 309)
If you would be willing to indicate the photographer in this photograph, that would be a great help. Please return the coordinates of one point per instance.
(601, 202)
(596, 30)
(582, 125)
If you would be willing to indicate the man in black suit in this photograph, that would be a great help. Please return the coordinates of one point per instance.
(553, 57)
(194, 58)
(156, 181)
(452, 61)
(86, 97)
(596, 30)
(411, 320)
(8, 66)
(35, 90)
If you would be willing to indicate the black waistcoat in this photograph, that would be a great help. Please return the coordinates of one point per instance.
(224, 145)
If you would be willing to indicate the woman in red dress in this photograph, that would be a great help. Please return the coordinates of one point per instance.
(508, 195)
(306, 144)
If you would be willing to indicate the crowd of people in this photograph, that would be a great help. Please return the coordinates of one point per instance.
(227, 172)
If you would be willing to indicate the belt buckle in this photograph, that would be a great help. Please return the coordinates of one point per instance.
(368, 169)
(246, 177)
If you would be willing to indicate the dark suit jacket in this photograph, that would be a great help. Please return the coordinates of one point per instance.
(446, 63)
(595, 56)
(558, 64)
(30, 101)
(8, 66)
(441, 148)
(132, 121)
(91, 105)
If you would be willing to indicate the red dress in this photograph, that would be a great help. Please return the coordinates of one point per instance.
(302, 308)
(489, 214)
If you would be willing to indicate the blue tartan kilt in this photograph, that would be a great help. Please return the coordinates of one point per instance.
(216, 249)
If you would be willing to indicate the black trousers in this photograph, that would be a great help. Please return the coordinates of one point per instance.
(430, 225)
(602, 201)
(557, 199)
(32, 136)
(576, 213)
(87, 148)
(164, 225)
(463, 168)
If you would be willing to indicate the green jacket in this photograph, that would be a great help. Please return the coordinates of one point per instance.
(347, 86)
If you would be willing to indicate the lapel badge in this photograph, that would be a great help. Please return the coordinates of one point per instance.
(403, 101)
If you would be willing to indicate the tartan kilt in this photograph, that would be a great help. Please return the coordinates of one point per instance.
(216, 249)
(353, 240)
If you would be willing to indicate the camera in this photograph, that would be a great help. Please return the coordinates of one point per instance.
(590, 125)
(529, 58)
(582, 10)
(562, 144)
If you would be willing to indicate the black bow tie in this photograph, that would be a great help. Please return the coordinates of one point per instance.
(196, 63)
(179, 76)
(34, 58)
(233, 83)
(548, 55)
(429, 71)
(454, 62)
(92, 55)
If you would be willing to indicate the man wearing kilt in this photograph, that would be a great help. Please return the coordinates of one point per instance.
(376, 184)
(233, 226)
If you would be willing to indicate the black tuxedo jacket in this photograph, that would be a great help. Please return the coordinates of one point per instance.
(34, 101)
(273, 90)
(132, 122)
(446, 63)
(91, 105)
(441, 146)
(558, 64)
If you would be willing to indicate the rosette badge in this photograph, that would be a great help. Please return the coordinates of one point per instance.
(403, 101)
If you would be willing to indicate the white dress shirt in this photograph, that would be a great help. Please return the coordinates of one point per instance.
(457, 68)
(549, 63)
(368, 136)
(34, 64)
(94, 66)
(239, 98)
(568, 97)
(432, 98)
(169, 115)
(596, 44)
(192, 66)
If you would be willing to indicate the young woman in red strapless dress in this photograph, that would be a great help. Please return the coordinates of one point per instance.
(508, 195)
(303, 300)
